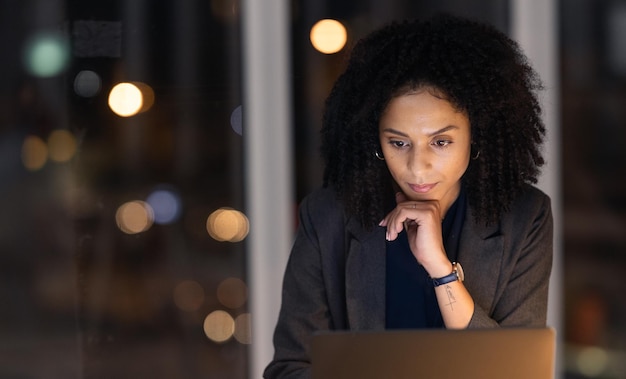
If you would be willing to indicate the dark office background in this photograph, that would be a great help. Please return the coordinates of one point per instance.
(82, 298)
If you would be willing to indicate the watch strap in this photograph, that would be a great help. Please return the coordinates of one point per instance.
(453, 276)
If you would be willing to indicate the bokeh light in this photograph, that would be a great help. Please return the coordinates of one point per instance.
(328, 36)
(147, 94)
(125, 99)
(129, 99)
(226, 224)
(236, 120)
(134, 217)
(189, 295)
(166, 205)
(61, 145)
(592, 361)
(219, 326)
(46, 54)
(87, 83)
(34, 153)
(232, 293)
(243, 328)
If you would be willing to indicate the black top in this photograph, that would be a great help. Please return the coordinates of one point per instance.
(410, 294)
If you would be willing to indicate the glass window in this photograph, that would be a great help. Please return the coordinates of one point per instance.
(121, 236)
(593, 75)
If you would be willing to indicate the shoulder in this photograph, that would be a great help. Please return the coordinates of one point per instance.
(322, 210)
(530, 213)
(322, 203)
(531, 200)
(529, 203)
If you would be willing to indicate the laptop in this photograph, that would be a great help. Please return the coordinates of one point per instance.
(511, 353)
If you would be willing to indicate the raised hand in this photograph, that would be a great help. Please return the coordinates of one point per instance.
(422, 222)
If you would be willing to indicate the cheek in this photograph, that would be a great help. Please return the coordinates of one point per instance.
(463, 167)
(453, 167)
(459, 165)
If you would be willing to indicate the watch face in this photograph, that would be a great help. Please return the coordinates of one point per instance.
(459, 271)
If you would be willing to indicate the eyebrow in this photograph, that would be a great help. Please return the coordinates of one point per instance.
(442, 130)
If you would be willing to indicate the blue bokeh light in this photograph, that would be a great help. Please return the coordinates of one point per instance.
(166, 205)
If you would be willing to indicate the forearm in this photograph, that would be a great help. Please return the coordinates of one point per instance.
(456, 304)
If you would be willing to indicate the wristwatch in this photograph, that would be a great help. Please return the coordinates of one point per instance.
(457, 274)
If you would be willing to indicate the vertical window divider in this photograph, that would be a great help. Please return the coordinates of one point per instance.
(268, 160)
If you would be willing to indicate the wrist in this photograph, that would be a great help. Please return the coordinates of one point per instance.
(439, 269)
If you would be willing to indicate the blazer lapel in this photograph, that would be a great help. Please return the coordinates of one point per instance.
(480, 253)
(365, 277)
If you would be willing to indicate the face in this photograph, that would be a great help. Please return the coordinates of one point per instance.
(426, 143)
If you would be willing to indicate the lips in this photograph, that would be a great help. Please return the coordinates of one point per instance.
(422, 188)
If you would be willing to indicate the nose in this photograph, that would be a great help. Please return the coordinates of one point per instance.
(419, 161)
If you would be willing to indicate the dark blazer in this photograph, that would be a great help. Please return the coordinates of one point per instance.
(335, 276)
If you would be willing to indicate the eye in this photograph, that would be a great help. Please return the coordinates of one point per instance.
(442, 142)
(398, 143)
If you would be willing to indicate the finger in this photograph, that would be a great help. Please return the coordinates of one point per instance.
(400, 197)
(389, 222)
(396, 222)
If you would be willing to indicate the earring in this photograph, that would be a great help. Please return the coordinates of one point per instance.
(379, 155)
(476, 156)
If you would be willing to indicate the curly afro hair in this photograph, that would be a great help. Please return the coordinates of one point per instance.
(478, 69)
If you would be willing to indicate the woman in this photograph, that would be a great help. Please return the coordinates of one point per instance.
(427, 217)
